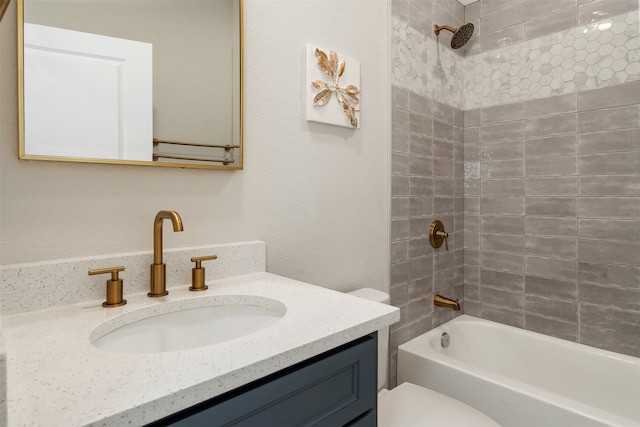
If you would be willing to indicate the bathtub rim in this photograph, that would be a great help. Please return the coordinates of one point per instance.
(420, 346)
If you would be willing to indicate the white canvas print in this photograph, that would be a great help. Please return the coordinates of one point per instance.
(333, 88)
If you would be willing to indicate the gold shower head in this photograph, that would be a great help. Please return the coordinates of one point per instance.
(460, 36)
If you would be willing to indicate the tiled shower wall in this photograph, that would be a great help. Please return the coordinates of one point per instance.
(427, 166)
(548, 211)
(552, 165)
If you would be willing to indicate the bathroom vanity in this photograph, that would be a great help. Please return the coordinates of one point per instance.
(325, 340)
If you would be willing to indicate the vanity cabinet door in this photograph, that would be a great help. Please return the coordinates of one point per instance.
(337, 388)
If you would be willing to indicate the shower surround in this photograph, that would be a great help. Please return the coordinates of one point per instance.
(545, 184)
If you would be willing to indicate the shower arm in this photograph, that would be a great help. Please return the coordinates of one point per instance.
(438, 28)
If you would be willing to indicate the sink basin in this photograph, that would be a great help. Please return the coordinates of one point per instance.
(187, 324)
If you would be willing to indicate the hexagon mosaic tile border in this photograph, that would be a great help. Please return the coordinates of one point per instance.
(599, 54)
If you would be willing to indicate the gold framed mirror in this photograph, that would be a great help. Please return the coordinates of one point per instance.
(134, 82)
(4, 4)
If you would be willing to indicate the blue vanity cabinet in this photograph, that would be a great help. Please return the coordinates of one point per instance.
(336, 388)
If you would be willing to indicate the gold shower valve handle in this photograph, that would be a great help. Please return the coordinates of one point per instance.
(437, 235)
(197, 273)
(114, 286)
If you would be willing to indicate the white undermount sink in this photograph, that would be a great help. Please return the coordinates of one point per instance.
(187, 324)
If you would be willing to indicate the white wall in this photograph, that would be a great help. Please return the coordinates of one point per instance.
(318, 195)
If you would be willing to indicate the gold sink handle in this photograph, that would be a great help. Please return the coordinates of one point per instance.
(197, 273)
(437, 235)
(114, 286)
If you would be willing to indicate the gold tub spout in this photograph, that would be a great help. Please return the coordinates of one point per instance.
(158, 287)
(441, 301)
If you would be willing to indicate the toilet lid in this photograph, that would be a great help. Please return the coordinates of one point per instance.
(409, 405)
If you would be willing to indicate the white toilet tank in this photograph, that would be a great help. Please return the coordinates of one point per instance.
(383, 334)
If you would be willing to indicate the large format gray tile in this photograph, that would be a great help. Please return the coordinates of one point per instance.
(502, 224)
(399, 185)
(503, 18)
(399, 98)
(608, 274)
(609, 229)
(603, 9)
(552, 247)
(551, 226)
(502, 243)
(610, 163)
(420, 206)
(551, 206)
(420, 166)
(420, 104)
(624, 299)
(502, 280)
(399, 141)
(503, 187)
(419, 186)
(552, 23)
(502, 169)
(400, 119)
(472, 117)
(615, 140)
(561, 104)
(552, 186)
(502, 261)
(609, 119)
(611, 318)
(551, 267)
(502, 132)
(559, 145)
(502, 205)
(551, 287)
(503, 315)
(492, 6)
(609, 252)
(612, 96)
(442, 130)
(550, 307)
(502, 113)
(443, 149)
(609, 207)
(399, 207)
(610, 185)
(610, 339)
(420, 145)
(399, 164)
(420, 124)
(502, 150)
(551, 166)
(537, 8)
(552, 125)
(553, 327)
(502, 298)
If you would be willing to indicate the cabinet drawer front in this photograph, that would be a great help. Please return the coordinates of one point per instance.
(329, 390)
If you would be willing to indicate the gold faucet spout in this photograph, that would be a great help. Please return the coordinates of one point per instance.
(441, 301)
(158, 287)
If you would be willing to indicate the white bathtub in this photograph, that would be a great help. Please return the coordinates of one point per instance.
(521, 378)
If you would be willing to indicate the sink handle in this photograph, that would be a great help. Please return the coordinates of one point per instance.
(197, 273)
(114, 286)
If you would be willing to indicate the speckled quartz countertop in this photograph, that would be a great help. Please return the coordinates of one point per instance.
(57, 377)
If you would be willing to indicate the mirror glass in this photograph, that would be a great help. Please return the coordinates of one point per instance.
(143, 82)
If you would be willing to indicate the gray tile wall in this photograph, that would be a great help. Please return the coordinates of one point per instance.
(552, 216)
(501, 23)
(427, 184)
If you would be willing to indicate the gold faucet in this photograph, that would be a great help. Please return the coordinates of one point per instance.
(441, 301)
(158, 268)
